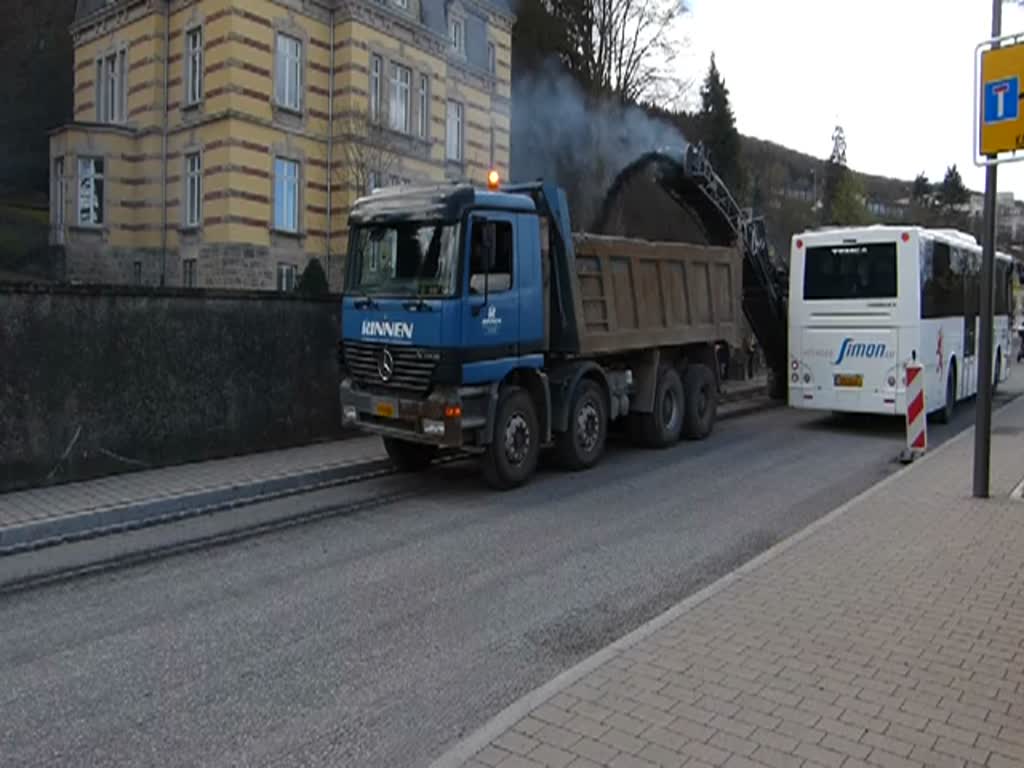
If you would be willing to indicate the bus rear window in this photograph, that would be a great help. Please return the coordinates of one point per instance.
(866, 271)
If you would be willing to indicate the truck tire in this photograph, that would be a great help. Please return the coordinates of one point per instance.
(662, 426)
(409, 457)
(511, 458)
(582, 444)
(701, 393)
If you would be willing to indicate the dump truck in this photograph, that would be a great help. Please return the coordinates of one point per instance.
(475, 319)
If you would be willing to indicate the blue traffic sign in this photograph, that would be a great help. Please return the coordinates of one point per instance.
(1002, 100)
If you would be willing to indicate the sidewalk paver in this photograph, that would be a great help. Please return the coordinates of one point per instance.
(890, 633)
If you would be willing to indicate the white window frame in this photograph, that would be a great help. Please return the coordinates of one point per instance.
(423, 115)
(193, 189)
(455, 119)
(376, 85)
(400, 98)
(287, 187)
(457, 34)
(112, 87)
(287, 276)
(87, 172)
(193, 66)
(188, 273)
(288, 64)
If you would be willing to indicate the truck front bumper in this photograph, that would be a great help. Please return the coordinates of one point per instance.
(451, 417)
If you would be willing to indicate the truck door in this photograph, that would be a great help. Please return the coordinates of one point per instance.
(491, 322)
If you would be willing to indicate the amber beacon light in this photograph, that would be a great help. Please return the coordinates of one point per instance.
(493, 180)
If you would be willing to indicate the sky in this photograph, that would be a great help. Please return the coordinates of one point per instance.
(898, 75)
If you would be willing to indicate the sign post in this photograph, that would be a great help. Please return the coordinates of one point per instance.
(997, 93)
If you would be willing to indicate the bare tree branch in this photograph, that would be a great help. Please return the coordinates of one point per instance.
(366, 150)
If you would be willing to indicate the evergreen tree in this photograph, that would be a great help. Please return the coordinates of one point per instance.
(313, 281)
(921, 190)
(847, 203)
(717, 130)
(952, 193)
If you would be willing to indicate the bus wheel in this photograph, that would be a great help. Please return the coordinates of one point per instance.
(701, 395)
(581, 446)
(945, 415)
(511, 458)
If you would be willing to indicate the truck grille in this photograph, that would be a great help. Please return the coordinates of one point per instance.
(412, 367)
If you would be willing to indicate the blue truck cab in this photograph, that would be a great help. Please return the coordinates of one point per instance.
(462, 328)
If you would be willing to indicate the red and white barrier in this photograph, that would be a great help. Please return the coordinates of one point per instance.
(917, 417)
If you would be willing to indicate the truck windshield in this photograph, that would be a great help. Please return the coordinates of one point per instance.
(404, 259)
(866, 271)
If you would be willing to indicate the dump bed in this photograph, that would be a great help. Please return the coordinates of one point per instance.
(634, 294)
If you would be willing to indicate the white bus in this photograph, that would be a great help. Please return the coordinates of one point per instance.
(865, 301)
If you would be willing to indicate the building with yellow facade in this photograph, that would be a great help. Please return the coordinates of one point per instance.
(220, 143)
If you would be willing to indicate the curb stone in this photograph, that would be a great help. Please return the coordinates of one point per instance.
(104, 521)
(467, 748)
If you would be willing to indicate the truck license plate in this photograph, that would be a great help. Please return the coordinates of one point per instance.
(849, 380)
(385, 409)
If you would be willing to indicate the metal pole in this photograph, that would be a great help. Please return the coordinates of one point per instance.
(983, 418)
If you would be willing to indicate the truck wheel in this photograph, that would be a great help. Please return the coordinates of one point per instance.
(409, 457)
(701, 394)
(581, 446)
(511, 458)
(663, 425)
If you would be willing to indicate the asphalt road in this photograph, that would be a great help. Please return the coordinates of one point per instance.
(379, 636)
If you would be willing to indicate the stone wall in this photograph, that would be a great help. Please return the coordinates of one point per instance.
(97, 380)
(231, 266)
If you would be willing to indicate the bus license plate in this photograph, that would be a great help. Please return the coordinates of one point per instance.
(849, 380)
(386, 409)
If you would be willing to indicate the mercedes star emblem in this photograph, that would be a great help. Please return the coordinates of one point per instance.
(386, 365)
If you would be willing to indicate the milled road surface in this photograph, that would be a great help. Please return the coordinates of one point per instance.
(379, 637)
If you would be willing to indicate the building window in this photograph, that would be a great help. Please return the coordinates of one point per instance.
(90, 191)
(286, 195)
(376, 66)
(455, 35)
(286, 277)
(423, 117)
(454, 133)
(111, 91)
(194, 66)
(401, 82)
(288, 77)
(402, 3)
(137, 273)
(493, 143)
(188, 273)
(492, 59)
(193, 189)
